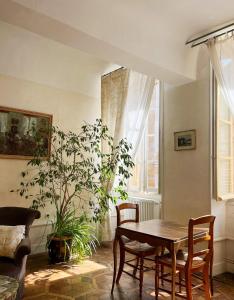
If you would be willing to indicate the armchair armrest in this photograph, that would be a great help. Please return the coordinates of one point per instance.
(24, 248)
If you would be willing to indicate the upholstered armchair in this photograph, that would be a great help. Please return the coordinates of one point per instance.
(12, 216)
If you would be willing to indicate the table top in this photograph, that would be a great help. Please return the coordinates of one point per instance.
(166, 230)
(8, 287)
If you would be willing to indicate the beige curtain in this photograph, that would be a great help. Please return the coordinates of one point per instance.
(114, 90)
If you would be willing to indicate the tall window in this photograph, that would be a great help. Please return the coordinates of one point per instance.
(145, 179)
(225, 146)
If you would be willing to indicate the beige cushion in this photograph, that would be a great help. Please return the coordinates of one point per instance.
(135, 246)
(181, 259)
(10, 237)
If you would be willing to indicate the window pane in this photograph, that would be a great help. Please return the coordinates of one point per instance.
(224, 139)
(145, 173)
(152, 154)
(224, 147)
(151, 122)
(224, 112)
(152, 176)
(134, 182)
(224, 185)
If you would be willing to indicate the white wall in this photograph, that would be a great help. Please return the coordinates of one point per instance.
(31, 57)
(40, 75)
(187, 174)
(186, 183)
(230, 236)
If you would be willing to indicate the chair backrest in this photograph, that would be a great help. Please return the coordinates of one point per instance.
(127, 206)
(206, 241)
(13, 216)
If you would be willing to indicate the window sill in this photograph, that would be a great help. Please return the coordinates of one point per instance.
(226, 197)
(146, 196)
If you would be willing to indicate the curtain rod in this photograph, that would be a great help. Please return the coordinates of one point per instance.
(113, 71)
(212, 34)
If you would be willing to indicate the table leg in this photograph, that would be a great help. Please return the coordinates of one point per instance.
(173, 273)
(115, 243)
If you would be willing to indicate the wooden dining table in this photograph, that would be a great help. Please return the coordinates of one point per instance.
(156, 233)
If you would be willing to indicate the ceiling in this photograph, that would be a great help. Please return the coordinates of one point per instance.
(146, 35)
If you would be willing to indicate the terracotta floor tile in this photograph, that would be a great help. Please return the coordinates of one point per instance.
(92, 280)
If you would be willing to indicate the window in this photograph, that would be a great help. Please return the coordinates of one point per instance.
(145, 179)
(225, 145)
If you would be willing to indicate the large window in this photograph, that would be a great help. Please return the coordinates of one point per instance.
(145, 179)
(225, 146)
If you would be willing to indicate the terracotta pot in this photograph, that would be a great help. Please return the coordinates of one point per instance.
(59, 248)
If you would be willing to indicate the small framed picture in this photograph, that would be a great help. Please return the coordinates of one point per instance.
(185, 140)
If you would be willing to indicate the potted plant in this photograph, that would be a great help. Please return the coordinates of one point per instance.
(76, 179)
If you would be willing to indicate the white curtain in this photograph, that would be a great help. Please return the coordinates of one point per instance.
(126, 98)
(221, 52)
(140, 91)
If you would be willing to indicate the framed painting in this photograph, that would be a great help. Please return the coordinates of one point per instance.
(185, 140)
(20, 132)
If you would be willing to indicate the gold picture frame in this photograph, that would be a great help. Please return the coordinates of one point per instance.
(18, 129)
(185, 140)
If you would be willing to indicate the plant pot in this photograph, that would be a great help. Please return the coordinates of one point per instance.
(59, 248)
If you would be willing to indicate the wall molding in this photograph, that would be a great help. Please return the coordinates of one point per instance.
(219, 268)
(222, 238)
(38, 248)
(229, 267)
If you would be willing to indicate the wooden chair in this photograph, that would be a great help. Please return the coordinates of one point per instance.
(139, 250)
(198, 259)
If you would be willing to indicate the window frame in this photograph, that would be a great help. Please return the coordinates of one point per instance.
(214, 142)
(143, 193)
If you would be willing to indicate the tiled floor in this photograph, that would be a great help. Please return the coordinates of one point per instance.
(91, 280)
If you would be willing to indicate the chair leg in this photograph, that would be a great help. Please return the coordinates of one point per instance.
(211, 277)
(136, 267)
(141, 274)
(162, 267)
(206, 283)
(188, 284)
(121, 264)
(157, 277)
(180, 282)
(162, 272)
(211, 285)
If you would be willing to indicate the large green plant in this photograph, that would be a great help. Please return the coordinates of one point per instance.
(78, 174)
(79, 229)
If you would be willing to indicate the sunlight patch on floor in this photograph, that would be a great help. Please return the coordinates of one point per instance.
(162, 294)
(53, 274)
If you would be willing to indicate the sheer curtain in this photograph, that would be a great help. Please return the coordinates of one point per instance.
(126, 98)
(221, 52)
(114, 89)
(140, 91)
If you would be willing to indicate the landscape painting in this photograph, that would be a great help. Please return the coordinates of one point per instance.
(21, 131)
(185, 140)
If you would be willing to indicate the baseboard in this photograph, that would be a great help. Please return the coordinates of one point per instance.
(38, 248)
(230, 267)
(219, 268)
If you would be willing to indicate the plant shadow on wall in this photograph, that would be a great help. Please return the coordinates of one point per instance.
(77, 181)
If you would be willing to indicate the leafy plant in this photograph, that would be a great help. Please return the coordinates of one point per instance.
(79, 229)
(78, 173)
